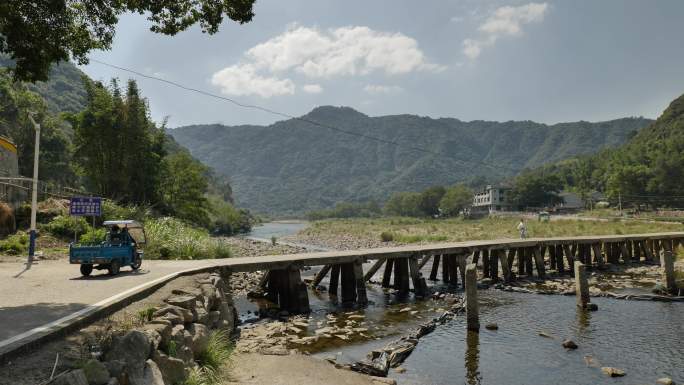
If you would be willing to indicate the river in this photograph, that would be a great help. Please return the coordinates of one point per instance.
(645, 339)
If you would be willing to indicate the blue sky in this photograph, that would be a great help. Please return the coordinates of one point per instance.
(547, 61)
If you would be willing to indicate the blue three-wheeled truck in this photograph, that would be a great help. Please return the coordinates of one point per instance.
(120, 248)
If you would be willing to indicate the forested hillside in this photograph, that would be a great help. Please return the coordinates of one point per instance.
(292, 166)
(648, 169)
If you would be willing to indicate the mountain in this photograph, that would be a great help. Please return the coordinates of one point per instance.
(293, 166)
(63, 91)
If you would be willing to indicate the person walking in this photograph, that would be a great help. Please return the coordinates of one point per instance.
(522, 229)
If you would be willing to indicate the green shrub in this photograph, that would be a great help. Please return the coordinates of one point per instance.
(387, 236)
(170, 238)
(228, 220)
(93, 236)
(15, 244)
(114, 211)
(218, 351)
(66, 227)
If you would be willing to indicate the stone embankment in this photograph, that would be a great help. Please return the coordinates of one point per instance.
(165, 348)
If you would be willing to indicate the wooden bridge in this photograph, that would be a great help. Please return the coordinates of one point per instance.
(498, 260)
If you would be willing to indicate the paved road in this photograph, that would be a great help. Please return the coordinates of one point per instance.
(53, 289)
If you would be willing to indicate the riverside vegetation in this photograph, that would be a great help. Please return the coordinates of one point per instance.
(402, 230)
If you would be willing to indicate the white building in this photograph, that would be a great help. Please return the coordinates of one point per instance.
(492, 199)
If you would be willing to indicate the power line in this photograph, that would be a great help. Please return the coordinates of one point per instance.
(302, 119)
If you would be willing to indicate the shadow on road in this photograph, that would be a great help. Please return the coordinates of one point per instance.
(18, 319)
(102, 275)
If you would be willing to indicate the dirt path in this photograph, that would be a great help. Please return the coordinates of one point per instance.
(291, 370)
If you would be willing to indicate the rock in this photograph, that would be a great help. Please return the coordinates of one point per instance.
(545, 335)
(665, 381)
(214, 318)
(200, 314)
(492, 326)
(405, 310)
(162, 329)
(569, 344)
(183, 301)
(132, 349)
(592, 307)
(613, 372)
(400, 370)
(74, 377)
(184, 314)
(200, 338)
(152, 375)
(96, 372)
(115, 368)
(113, 381)
(172, 369)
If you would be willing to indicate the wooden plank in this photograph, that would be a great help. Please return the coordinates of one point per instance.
(419, 285)
(494, 266)
(505, 269)
(598, 256)
(539, 261)
(462, 261)
(348, 281)
(445, 269)
(423, 261)
(387, 274)
(521, 261)
(552, 257)
(625, 254)
(453, 270)
(435, 268)
(334, 280)
(373, 269)
(569, 256)
(320, 275)
(476, 257)
(560, 264)
(485, 264)
(401, 281)
(529, 255)
(360, 281)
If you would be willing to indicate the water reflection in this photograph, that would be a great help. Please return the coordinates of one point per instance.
(583, 320)
(472, 358)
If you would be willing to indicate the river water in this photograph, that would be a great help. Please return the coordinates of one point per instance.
(645, 339)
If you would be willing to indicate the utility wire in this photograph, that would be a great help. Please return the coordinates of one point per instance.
(302, 119)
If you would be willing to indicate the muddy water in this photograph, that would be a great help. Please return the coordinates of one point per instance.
(646, 339)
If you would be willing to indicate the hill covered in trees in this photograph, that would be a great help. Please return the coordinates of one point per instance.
(292, 166)
(648, 169)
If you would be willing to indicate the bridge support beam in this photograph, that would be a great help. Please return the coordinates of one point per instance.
(435, 267)
(373, 269)
(668, 269)
(472, 307)
(419, 286)
(387, 274)
(581, 285)
(285, 287)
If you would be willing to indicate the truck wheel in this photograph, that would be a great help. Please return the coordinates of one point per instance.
(137, 262)
(86, 270)
(114, 267)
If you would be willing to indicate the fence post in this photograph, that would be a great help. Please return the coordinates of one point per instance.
(472, 308)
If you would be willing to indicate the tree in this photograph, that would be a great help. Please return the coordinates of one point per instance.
(536, 190)
(429, 200)
(38, 33)
(456, 199)
(116, 145)
(183, 187)
(55, 150)
(405, 204)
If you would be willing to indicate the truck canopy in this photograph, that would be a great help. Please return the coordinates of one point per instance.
(135, 229)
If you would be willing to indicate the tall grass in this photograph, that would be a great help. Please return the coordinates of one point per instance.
(15, 244)
(212, 361)
(170, 238)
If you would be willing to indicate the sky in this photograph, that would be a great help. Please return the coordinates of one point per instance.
(546, 61)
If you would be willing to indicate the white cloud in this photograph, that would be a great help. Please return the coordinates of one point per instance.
(504, 21)
(314, 53)
(312, 88)
(243, 79)
(350, 50)
(380, 89)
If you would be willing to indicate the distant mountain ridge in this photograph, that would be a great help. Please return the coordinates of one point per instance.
(291, 166)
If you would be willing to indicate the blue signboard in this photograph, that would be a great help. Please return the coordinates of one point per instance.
(85, 206)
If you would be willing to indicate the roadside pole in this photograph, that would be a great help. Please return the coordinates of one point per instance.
(34, 194)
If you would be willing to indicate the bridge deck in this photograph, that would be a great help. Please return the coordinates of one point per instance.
(336, 257)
